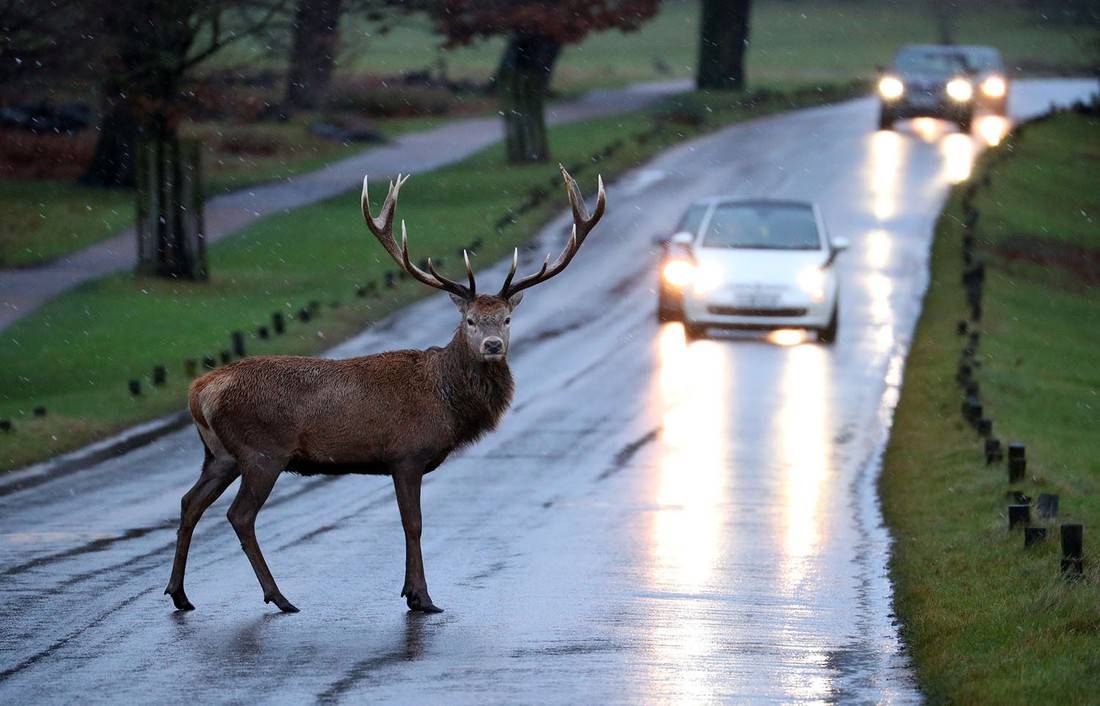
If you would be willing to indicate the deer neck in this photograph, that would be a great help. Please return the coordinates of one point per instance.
(478, 392)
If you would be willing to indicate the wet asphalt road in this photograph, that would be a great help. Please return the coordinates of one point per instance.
(653, 522)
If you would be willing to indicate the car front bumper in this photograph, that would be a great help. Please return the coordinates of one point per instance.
(791, 309)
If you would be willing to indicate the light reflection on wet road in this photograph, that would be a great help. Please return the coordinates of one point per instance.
(654, 522)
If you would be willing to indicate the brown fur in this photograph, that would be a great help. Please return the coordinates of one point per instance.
(399, 413)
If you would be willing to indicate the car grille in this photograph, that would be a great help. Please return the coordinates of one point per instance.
(784, 312)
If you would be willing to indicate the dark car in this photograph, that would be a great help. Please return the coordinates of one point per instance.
(987, 70)
(942, 81)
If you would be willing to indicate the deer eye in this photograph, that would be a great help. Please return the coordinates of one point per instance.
(507, 320)
(470, 322)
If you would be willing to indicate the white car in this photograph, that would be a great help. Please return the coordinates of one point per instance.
(752, 263)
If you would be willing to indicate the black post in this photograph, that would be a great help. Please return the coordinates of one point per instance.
(972, 410)
(262, 332)
(238, 343)
(135, 388)
(993, 451)
(1017, 462)
(1018, 515)
(1073, 555)
(985, 427)
(1048, 506)
(277, 323)
(160, 375)
(1034, 535)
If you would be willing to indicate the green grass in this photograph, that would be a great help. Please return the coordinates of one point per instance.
(793, 43)
(985, 620)
(790, 41)
(46, 219)
(76, 355)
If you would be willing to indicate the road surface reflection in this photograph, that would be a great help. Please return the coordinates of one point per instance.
(691, 492)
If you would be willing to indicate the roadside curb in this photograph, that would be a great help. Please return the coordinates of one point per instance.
(135, 437)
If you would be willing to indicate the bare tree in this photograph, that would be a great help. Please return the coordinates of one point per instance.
(43, 38)
(313, 55)
(536, 30)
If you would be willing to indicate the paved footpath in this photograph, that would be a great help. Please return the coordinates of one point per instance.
(22, 291)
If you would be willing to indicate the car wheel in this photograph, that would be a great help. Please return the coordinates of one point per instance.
(694, 332)
(886, 119)
(828, 334)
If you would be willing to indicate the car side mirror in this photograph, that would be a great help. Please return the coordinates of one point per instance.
(836, 246)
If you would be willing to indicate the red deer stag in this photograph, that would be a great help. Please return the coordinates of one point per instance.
(399, 413)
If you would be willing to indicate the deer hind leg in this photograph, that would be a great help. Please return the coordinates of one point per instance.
(217, 473)
(257, 480)
(406, 483)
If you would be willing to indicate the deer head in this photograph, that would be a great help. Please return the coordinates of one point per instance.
(485, 318)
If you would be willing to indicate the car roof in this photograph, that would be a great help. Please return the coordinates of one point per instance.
(968, 49)
(751, 201)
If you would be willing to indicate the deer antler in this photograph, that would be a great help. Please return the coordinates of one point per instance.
(582, 225)
(382, 228)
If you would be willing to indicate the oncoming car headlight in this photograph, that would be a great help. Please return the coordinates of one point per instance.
(960, 89)
(678, 273)
(890, 87)
(812, 282)
(708, 277)
(994, 87)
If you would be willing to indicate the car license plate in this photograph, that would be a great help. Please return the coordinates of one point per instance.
(923, 100)
(755, 301)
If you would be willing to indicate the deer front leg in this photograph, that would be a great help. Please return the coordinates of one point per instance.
(406, 483)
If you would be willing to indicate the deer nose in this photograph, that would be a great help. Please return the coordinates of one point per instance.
(492, 346)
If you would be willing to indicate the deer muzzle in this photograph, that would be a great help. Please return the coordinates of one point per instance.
(492, 348)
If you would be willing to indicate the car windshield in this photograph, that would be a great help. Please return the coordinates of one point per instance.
(692, 219)
(983, 58)
(929, 61)
(762, 226)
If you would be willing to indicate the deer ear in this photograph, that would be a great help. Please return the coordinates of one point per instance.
(514, 300)
(460, 302)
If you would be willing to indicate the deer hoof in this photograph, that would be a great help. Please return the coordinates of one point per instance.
(282, 603)
(179, 598)
(421, 604)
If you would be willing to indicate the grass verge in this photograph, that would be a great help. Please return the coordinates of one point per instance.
(987, 621)
(77, 354)
(794, 42)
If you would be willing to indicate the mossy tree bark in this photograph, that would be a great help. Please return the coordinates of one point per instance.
(523, 79)
(723, 40)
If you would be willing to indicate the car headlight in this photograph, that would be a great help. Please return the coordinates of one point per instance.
(891, 88)
(708, 277)
(812, 282)
(994, 87)
(678, 273)
(960, 89)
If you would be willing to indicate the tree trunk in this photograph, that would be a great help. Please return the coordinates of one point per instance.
(523, 78)
(112, 163)
(171, 232)
(316, 36)
(723, 40)
(943, 15)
